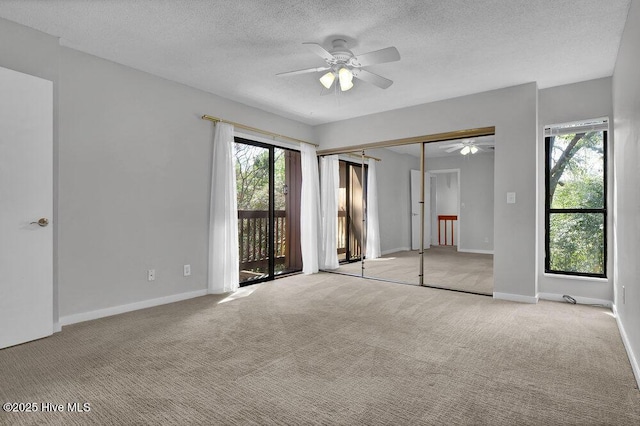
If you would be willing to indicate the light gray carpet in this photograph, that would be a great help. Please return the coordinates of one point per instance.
(443, 267)
(331, 349)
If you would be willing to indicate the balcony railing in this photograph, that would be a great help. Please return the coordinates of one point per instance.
(342, 233)
(446, 222)
(354, 238)
(253, 235)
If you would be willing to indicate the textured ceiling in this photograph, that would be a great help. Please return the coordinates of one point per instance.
(234, 48)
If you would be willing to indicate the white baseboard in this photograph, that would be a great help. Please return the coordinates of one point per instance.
(515, 297)
(57, 327)
(475, 251)
(395, 250)
(115, 310)
(579, 299)
(635, 367)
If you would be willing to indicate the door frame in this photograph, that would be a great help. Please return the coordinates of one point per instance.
(271, 275)
(428, 229)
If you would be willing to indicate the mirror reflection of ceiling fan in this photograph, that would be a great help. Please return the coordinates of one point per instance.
(468, 146)
(343, 65)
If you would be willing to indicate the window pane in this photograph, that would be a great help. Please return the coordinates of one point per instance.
(576, 242)
(252, 185)
(576, 171)
(286, 232)
(279, 174)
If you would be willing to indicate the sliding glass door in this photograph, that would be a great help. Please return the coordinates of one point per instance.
(268, 181)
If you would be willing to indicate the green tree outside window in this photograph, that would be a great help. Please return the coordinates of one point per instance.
(576, 203)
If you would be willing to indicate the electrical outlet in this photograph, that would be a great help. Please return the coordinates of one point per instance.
(151, 275)
(186, 269)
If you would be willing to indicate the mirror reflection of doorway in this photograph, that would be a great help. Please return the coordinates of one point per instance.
(462, 218)
(441, 208)
(350, 211)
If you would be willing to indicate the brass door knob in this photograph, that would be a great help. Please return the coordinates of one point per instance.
(42, 222)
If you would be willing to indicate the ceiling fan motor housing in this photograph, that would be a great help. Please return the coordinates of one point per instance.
(340, 52)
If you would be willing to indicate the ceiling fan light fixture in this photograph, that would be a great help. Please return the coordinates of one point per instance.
(473, 149)
(344, 66)
(346, 79)
(327, 79)
(465, 150)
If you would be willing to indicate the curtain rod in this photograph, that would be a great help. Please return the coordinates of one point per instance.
(254, 129)
(350, 154)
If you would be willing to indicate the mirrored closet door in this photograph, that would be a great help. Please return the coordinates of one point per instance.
(392, 217)
(425, 216)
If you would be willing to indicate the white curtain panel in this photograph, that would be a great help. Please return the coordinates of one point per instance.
(224, 264)
(373, 224)
(329, 187)
(310, 210)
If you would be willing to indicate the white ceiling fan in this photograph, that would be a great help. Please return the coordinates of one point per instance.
(343, 65)
(468, 146)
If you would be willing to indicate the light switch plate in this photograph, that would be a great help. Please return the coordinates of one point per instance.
(511, 197)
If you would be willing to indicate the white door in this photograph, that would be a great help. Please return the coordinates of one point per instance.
(26, 195)
(415, 210)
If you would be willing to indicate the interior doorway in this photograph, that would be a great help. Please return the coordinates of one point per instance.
(445, 215)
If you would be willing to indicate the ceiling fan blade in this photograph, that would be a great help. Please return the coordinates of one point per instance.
(304, 71)
(455, 148)
(372, 78)
(320, 51)
(390, 54)
(484, 143)
(449, 145)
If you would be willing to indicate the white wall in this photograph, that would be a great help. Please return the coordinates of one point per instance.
(394, 198)
(626, 109)
(135, 166)
(447, 193)
(476, 218)
(513, 112)
(562, 104)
